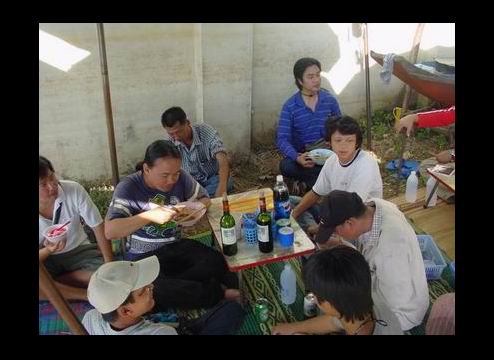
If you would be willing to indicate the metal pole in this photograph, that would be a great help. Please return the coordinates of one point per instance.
(367, 87)
(47, 285)
(108, 110)
(413, 59)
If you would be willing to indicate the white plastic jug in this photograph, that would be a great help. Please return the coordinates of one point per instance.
(428, 189)
(288, 284)
(411, 188)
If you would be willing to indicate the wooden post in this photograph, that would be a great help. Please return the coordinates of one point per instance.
(108, 110)
(47, 285)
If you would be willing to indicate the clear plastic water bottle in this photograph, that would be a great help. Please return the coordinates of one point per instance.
(412, 186)
(428, 189)
(288, 284)
(281, 199)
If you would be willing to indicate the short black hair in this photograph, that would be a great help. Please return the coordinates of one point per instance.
(44, 167)
(346, 125)
(113, 315)
(158, 149)
(340, 276)
(172, 116)
(300, 66)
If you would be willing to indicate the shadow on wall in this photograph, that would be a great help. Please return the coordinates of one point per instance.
(276, 49)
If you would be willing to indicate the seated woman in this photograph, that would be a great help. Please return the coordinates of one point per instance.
(191, 274)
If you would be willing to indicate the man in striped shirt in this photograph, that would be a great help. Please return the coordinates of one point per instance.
(301, 124)
(202, 150)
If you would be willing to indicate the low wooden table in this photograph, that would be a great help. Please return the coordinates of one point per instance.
(249, 256)
(446, 180)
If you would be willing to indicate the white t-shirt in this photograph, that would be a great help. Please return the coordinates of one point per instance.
(361, 176)
(75, 203)
(95, 325)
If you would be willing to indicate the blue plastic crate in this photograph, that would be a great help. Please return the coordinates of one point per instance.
(434, 262)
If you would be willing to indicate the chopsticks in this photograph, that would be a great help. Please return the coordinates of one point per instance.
(190, 215)
(64, 225)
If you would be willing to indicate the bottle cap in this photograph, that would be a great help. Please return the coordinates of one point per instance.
(279, 178)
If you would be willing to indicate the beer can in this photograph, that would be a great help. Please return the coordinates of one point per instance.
(262, 310)
(282, 223)
(310, 305)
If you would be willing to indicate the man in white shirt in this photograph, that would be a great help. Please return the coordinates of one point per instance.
(72, 260)
(122, 292)
(389, 245)
(352, 169)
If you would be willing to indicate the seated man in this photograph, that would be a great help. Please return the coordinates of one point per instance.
(202, 151)
(389, 245)
(301, 123)
(352, 169)
(72, 260)
(122, 291)
(345, 298)
(434, 118)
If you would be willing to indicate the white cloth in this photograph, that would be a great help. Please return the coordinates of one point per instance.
(397, 268)
(76, 203)
(361, 176)
(384, 313)
(95, 325)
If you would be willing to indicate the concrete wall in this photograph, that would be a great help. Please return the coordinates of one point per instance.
(232, 76)
(278, 46)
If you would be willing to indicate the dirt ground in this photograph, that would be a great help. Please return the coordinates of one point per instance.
(261, 167)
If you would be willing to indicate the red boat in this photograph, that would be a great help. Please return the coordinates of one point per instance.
(434, 85)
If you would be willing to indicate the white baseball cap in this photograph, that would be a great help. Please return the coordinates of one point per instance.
(113, 282)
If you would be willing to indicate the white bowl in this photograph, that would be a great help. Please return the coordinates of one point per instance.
(319, 156)
(55, 239)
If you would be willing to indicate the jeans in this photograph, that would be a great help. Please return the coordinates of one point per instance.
(292, 169)
(212, 183)
(308, 217)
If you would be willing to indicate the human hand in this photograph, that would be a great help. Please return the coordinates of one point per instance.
(53, 248)
(313, 229)
(163, 214)
(305, 160)
(406, 122)
(284, 329)
(444, 157)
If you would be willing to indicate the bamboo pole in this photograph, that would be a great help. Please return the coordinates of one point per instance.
(47, 285)
(108, 109)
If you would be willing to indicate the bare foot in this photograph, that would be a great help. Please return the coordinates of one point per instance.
(233, 295)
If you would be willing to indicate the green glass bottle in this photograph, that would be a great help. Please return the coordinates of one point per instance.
(264, 231)
(227, 226)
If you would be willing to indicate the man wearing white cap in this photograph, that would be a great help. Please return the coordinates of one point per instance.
(122, 291)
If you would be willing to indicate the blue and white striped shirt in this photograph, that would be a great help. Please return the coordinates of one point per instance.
(299, 125)
(200, 160)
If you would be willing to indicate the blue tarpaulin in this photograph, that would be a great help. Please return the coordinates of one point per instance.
(406, 169)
